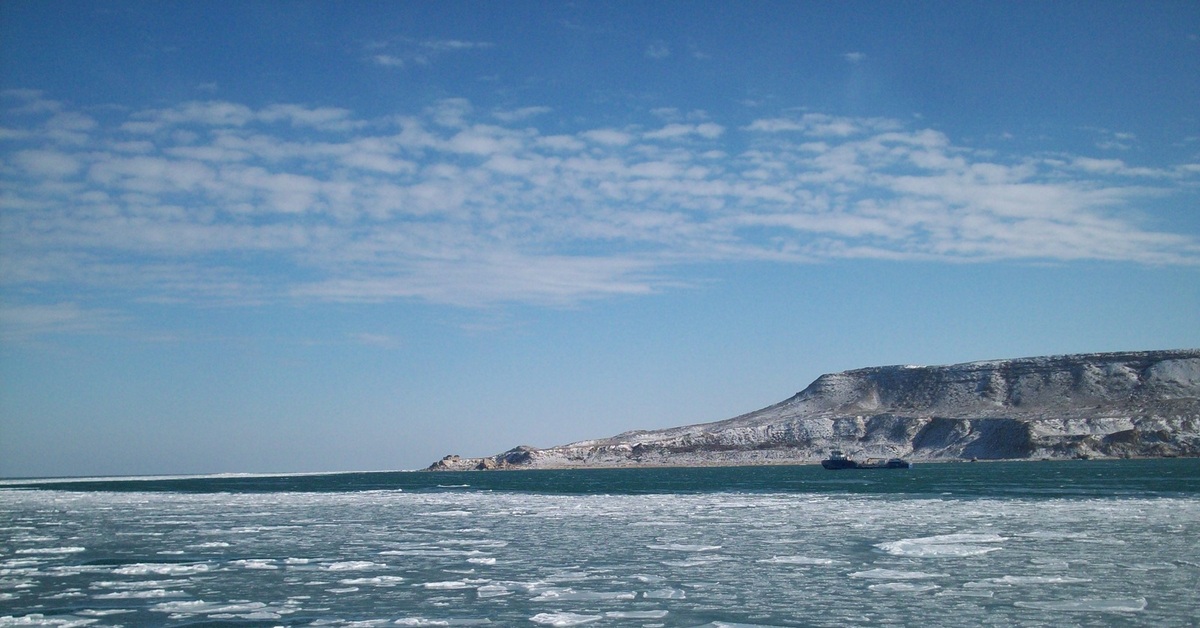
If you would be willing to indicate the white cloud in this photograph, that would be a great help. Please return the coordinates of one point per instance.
(47, 163)
(706, 130)
(523, 113)
(24, 322)
(328, 118)
(854, 57)
(218, 201)
(611, 137)
(658, 50)
(406, 52)
(390, 61)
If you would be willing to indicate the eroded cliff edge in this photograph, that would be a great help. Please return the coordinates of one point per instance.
(1129, 404)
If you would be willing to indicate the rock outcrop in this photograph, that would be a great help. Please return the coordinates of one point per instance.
(1130, 404)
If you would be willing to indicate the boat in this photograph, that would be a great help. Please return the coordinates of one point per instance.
(839, 460)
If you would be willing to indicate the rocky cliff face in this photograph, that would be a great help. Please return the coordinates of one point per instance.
(1092, 405)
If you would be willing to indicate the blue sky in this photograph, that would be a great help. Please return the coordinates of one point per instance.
(302, 236)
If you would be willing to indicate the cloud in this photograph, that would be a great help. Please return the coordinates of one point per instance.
(220, 202)
(854, 57)
(658, 50)
(823, 125)
(406, 52)
(610, 137)
(706, 130)
(24, 322)
(523, 113)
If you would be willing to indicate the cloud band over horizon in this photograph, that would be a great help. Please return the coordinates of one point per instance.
(220, 202)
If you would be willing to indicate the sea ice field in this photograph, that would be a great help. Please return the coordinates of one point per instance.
(457, 555)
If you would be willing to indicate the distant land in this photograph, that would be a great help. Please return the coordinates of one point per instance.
(1096, 405)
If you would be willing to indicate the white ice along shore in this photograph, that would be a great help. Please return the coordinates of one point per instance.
(1128, 404)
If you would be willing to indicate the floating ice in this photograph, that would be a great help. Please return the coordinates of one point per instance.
(421, 621)
(903, 587)
(145, 594)
(564, 619)
(447, 584)
(354, 565)
(492, 590)
(161, 569)
(38, 619)
(561, 595)
(637, 614)
(376, 581)
(679, 547)
(665, 594)
(796, 560)
(944, 545)
(893, 574)
(695, 562)
(254, 563)
(51, 550)
(1127, 605)
(1020, 580)
(200, 607)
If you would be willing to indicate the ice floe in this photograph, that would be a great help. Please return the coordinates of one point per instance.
(1124, 605)
(944, 545)
(895, 574)
(162, 569)
(564, 619)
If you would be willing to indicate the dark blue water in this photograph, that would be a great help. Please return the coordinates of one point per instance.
(982, 479)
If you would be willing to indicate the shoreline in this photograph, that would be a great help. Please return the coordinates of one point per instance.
(770, 463)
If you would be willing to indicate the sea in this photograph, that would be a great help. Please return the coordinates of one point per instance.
(1040, 543)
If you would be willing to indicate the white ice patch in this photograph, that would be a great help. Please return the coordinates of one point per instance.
(376, 581)
(1024, 580)
(796, 560)
(354, 565)
(208, 545)
(217, 610)
(492, 590)
(421, 621)
(571, 595)
(894, 574)
(254, 563)
(699, 561)
(145, 594)
(51, 550)
(482, 561)
(20, 563)
(1128, 605)
(903, 587)
(38, 619)
(447, 584)
(161, 569)
(637, 614)
(666, 594)
(944, 545)
(679, 547)
(30, 538)
(564, 619)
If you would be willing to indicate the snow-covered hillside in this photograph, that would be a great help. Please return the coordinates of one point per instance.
(1143, 403)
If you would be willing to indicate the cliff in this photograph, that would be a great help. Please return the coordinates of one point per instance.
(1130, 404)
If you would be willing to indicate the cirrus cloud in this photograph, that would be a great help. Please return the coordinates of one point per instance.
(219, 201)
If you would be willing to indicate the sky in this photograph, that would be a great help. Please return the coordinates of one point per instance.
(272, 237)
